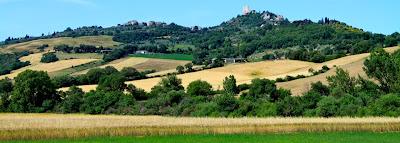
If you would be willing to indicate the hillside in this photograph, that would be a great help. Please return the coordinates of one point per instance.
(244, 73)
(105, 41)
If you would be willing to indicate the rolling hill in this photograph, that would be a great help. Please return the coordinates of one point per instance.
(244, 73)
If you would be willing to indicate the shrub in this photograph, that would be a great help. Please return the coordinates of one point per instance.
(387, 105)
(48, 58)
(266, 109)
(327, 107)
(199, 88)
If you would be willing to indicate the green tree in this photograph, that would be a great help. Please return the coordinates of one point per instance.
(387, 105)
(199, 88)
(113, 82)
(169, 83)
(263, 88)
(48, 58)
(189, 67)
(72, 100)
(342, 82)
(327, 107)
(230, 86)
(381, 66)
(180, 69)
(131, 73)
(33, 92)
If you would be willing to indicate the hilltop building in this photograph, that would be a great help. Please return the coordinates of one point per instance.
(246, 10)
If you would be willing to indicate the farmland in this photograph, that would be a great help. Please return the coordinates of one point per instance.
(244, 73)
(36, 126)
(105, 41)
(329, 137)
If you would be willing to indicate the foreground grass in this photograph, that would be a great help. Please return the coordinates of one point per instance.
(182, 57)
(329, 137)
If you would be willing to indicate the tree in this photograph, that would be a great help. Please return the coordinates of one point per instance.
(169, 83)
(93, 75)
(387, 105)
(131, 73)
(180, 69)
(320, 88)
(189, 67)
(48, 58)
(342, 82)
(263, 88)
(230, 85)
(113, 82)
(199, 88)
(381, 66)
(72, 100)
(33, 92)
(327, 107)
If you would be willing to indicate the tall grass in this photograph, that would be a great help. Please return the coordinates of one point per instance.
(49, 126)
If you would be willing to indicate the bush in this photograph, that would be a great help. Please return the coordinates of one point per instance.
(205, 110)
(327, 107)
(387, 105)
(226, 104)
(113, 82)
(266, 109)
(263, 88)
(48, 58)
(98, 102)
(199, 88)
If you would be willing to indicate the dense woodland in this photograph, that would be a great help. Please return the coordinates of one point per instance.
(34, 91)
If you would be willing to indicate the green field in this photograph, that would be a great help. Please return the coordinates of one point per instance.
(335, 137)
(182, 57)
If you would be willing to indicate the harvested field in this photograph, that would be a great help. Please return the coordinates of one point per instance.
(50, 67)
(242, 73)
(66, 56)
(143, 64)
(42, 126)
(105, 41)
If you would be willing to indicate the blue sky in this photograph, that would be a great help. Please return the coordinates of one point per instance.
(33, 17)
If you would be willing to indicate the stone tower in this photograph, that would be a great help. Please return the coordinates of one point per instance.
(246, 10)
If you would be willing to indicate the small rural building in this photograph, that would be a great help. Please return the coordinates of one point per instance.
(142, 52)
(234, 60)
(105, 51)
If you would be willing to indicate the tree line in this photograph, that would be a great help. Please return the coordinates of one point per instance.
(34, 91)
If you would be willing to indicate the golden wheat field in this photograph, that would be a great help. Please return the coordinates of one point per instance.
(142, 64)
(50, 67)
(41, 126)
(105, 41)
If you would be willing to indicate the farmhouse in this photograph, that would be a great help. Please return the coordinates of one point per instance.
(234, 60)
(142, 52)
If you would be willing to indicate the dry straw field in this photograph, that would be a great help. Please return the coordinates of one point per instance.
(49, 126)
(50, 67)
(105, 41)
(142, 64)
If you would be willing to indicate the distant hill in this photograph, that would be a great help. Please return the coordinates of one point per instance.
(267, 33)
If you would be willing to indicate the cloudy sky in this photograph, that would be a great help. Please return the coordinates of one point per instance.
(33, 17)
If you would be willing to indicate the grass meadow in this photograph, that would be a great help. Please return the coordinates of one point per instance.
(326, 137)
